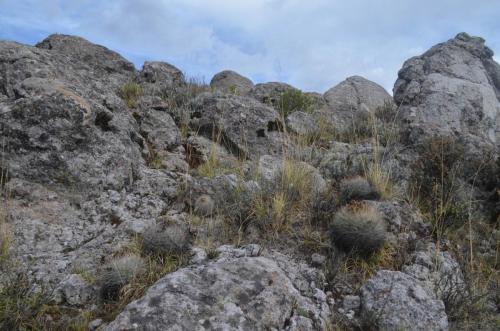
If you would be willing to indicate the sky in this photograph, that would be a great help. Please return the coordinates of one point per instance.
(310, 44)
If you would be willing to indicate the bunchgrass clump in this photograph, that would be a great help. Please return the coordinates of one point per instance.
(357, 188)
(294, 100)
(165, 240)
(130, 93)
(379, 178)
(358, 228)
(436, 179)
(118, 273)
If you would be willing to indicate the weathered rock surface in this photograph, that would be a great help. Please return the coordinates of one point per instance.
(392, 300)
(270, 93)
(76, 155)
(238, 291)
(231, 82)
(354, 94)
(452, 89)
(352, 98)
(303, 124)
(246, 127)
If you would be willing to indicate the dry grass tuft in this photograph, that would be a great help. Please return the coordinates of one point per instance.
(130, 93)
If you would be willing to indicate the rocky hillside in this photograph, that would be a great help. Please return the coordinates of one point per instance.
(147, 200)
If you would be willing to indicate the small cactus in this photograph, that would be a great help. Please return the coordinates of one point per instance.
(165, 240)
(204, 205)
(358, 228)
(118, 273)
(357, 188)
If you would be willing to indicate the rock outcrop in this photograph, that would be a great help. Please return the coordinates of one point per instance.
(246, 127)
(354, 97)
(231, 82)
(238, 291)
(393, 301)
(103, 167)
(452, 89)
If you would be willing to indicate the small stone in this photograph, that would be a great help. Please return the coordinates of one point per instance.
(93, 325)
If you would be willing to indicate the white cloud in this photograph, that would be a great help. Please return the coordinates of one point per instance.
(310, 44)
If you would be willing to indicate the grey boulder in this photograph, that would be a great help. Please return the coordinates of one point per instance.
(244, 126)
(392, 300)
(231, 82)
(353, 98)
(238, 291)
(452, 89)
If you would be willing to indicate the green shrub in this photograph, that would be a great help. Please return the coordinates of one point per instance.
(130, 93)
(118, 273)
(358, 228)
(357, 188)
(294, 100)
(165, 240)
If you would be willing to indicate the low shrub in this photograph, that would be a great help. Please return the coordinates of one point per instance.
(358, 228)
(294, 100)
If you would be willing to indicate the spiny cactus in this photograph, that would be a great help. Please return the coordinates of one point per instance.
(357, 188)
(358, 228)
(118, 273)
(166, 240)
(204, 205)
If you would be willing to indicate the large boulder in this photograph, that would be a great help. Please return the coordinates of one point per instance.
(244, 126)
(270, 93)
(354, 92)
(62, 120)
(353, 98)
(162, 74)
(238, 291)
(452, 89)
(81, 51)
(392, 300)
(75, 156)
(231, 82)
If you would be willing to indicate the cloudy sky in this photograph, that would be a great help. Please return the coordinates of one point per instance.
(311, 44)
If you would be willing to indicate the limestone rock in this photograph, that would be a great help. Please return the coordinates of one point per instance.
(351, 94)
(270, 93)
(231, 82)
(452, 89)
(247, 128)
(393, 300)
(231, 293)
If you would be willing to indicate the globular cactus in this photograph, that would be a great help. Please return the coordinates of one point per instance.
(118, 273)
(204, 205)
(161, 239)
(357, 188)
(359, 229)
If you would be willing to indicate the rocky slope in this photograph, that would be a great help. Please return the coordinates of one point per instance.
(143, 200)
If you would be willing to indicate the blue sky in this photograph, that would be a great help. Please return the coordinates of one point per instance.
(311, 44)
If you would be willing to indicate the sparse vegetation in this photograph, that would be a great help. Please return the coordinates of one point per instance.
(130, 93)
(436, 180)
(358, 228)
(294, 100)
